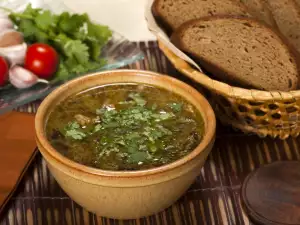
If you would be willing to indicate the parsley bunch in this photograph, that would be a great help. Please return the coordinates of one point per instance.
(77, 40)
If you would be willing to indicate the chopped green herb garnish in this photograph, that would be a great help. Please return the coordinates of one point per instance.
(97, 127)
(137, 98)
(75, 134)
(176, 107)
(73, 131)
(154, 106)
(143, 122)
(137, 157)
(125, 128)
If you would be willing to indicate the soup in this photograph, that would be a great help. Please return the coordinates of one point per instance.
(124, 127)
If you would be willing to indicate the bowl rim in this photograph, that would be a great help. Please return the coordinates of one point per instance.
(208, 137)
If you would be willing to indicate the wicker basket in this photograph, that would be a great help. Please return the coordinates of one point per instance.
(265, 113)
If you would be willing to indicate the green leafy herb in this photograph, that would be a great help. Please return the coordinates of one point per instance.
(73, 131)
(44, 20)
(141, 128)
(99, 32)
(72, 23)
(154, 106)
(176, 107)
(94, 47)
(77, 51)
(97, 127)
(122, 127)
(77, 39)
(62, 72)
(75, 134)
(163, 116)
(137, 98)
(73, 125)
(137, 157)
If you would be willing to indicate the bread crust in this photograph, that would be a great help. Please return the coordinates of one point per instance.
(218, 70)
(159, 18)
(294, 5)
(169, 28)
(264, 5)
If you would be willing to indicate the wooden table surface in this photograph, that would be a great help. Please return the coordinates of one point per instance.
(214, 198)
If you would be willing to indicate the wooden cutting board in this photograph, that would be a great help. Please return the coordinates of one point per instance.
(17, 149)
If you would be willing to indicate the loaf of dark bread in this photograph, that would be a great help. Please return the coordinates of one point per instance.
(287, 16)
(172, 13)
(240, 51)
(260, 10)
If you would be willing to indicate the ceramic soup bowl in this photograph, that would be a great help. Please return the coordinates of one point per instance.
(125, 194)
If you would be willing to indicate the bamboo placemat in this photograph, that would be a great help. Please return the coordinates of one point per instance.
(212, 200)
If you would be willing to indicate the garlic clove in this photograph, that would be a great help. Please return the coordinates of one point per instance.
(10, 37)
(5, 24)
(22, 78)
(15, 54)
(42, 81)
(4, 14)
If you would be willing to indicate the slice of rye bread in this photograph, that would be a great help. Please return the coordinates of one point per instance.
(260, 10)
(298, 2)
(240, 51)
(172, 13)
(287, 16)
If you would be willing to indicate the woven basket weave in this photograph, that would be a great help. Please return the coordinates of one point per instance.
(274, 114)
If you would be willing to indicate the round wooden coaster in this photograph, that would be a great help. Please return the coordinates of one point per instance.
(271, 194)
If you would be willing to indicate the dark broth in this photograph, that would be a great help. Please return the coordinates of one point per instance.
(124, 127)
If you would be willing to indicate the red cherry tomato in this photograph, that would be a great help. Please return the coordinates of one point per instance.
(3, 71)
(42, 60)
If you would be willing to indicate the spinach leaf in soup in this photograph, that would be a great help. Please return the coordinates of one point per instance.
(125, 127)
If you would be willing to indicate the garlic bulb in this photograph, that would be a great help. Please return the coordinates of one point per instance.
(4, 14)
(22, 78)
(10, 37)
(5, 24)
(15, 54)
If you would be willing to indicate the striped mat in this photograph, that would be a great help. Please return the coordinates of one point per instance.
(212, 200)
